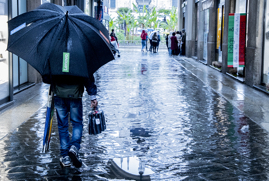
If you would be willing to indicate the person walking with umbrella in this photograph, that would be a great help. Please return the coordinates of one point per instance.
(68, 92)
(66, 47)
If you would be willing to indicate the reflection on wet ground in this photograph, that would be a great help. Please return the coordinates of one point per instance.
(163, 123)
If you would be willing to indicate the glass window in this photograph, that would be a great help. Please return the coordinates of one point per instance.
(45, 1)
(15, 59)
(23, 65)
(87, 7)
(174, 3)
(22, 6)
(14, 8)
(266, 47)
(206, 30)
(241, 6)
(112, 4)
(4, 85)
(20, 67)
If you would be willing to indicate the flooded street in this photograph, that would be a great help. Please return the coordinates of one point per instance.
(163, 123)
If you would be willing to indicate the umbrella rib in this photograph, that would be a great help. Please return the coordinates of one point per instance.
(93, 28)
(56, 24)
(30, 30)
(53, 42)
(75, 27)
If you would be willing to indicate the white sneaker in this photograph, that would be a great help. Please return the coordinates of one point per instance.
(65, 161)
(73, 154)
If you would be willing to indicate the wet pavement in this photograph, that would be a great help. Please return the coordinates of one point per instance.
(162, 121)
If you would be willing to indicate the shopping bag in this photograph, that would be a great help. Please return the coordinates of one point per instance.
(97, 122)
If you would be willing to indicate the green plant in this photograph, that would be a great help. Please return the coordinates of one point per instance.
(112, 23)
(120, 35)
(171, 22)
(128, 19)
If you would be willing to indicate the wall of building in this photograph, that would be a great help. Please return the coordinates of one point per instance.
(255, 36)
(259, 42)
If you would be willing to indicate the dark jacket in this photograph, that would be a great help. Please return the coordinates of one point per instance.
(174, 43)
(143, 35)
(72, 86)
(114, 35)
(159, 39)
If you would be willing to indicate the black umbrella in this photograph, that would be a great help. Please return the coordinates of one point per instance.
(58, 40)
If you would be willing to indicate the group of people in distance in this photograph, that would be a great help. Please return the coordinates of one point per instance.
(154, 39)
(176, 42)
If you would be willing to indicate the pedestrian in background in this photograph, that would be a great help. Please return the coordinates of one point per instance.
(166, 41)
(159, 40)
(174, 44)
(169, 43)
(147, 41)
(178, 35)
(112, 34)
(143, 39)
(154, 42)
(68, 91)
(183, 42)
(150, 41)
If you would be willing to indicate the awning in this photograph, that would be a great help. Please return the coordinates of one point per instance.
(207, 4)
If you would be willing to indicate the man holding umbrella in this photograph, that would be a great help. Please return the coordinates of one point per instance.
(66, 47)
(68, 92)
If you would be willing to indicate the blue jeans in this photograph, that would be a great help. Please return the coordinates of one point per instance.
(143, 43)
(63, 107)
(170, 51)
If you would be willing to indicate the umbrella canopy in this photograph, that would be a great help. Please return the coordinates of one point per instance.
(58, 40)
(150, 29)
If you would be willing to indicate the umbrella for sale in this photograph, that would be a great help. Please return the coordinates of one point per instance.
(58, 40)
(48, 122)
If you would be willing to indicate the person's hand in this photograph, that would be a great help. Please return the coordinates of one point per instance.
(94, 103)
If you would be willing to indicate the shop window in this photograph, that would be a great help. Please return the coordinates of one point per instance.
(112, 4)
(174, 3)
(265, 76)
(4, 71)
(241, 7)
(87, 7)
(20, 66)
(206, 31)
(219, 33)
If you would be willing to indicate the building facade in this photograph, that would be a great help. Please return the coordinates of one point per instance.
(232, 37)
(16, 74)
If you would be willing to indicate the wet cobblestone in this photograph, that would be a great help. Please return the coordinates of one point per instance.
(158, 114)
